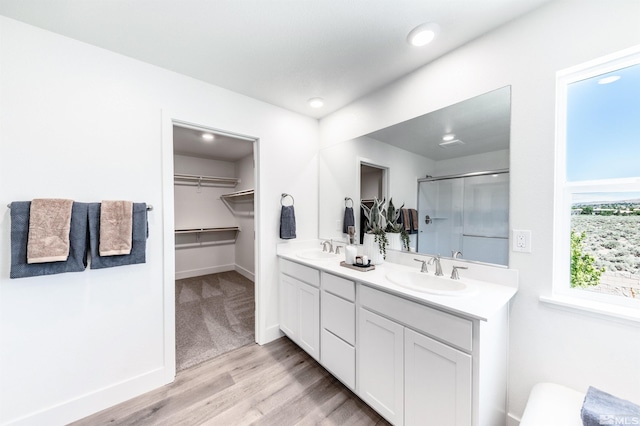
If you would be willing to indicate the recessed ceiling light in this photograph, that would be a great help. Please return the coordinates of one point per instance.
(208, 137)
(610, 79)
(316, 102)
(448, 137)
(423, 34)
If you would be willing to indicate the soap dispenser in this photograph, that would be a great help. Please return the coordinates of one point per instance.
(350, 250)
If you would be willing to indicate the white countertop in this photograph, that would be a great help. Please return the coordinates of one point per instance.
(487, 299)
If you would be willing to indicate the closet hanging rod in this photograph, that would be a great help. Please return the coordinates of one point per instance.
(149, 207)
(206, 178)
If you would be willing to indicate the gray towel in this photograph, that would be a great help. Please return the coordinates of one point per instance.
(287, 223)
(601, 408)
(349, 219)
(77, 260)
(138, 240)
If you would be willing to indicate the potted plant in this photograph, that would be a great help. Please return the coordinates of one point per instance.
(397, 236)
(374, 243)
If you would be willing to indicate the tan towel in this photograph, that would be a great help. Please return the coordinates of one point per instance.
(406, 220)
(49, 226)
(414, 219)
(116, 227)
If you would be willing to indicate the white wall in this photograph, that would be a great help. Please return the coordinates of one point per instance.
(201, 207)
(340, 176)
(547, 343)
(244, 214)
(80, 122)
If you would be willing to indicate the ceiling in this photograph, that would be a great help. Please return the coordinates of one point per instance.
(482, 123)
(188, 141)
(282, 52)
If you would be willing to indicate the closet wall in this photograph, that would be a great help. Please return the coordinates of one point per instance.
(214, 231)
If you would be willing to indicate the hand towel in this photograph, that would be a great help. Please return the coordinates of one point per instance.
(413, 213)
(116, 227)
(349, 219)
(140, 232)
(77, 260)
(601, 408)
(287, 223)
(406, 219)
(49, 227)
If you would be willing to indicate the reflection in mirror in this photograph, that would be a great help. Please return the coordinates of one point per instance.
(465, 138)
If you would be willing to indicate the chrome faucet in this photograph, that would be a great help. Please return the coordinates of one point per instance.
(436, 261)
(338, 249)
(324, 245)
(423, 268)
(454, 272)
(456, 254)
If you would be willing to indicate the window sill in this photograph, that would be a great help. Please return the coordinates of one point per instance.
(598, 309)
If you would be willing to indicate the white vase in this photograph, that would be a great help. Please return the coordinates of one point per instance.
(371, 248)
(395, 241)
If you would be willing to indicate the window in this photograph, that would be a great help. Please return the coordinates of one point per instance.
(597, 213)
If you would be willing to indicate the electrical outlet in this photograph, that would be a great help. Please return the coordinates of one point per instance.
(522, 241)
(339, 225)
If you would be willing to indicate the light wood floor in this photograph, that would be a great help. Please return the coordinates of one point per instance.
(275, 384)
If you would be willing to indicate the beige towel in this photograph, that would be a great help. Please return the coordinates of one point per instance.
(116, 227)
(49, 226)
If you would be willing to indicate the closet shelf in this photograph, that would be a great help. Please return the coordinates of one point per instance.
(212, 180)
(239, 195)
(201, 230)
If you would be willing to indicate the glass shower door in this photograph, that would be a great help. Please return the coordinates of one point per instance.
(467, 214)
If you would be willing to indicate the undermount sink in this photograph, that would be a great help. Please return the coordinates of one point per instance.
(429, 283)
(316, 254)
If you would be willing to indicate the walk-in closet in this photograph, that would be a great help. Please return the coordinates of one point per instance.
(214, 188)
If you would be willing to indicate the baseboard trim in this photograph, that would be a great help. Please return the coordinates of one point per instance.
(513, 420)
(270, 334)
(204, 271)
(245, 273)
(92, 402)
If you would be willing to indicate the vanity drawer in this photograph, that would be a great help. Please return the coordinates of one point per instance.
(339, 317)
(339, 286)
(301, 272)
(441, 325)
(339, 358)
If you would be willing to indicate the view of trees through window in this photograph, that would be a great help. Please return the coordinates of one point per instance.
(603, 152)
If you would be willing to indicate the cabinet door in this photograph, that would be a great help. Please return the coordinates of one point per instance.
(309, 319)
(437, 383)
(380, 362)
(288, 306)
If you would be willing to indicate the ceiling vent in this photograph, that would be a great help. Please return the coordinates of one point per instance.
(449, 144)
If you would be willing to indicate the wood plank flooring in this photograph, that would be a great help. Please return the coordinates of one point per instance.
(276, 384)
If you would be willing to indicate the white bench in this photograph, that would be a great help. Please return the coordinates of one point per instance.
(550, 404)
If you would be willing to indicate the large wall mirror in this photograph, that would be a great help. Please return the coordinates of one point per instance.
(451, 166)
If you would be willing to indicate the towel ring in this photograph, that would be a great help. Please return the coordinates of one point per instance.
(346, 201)
(284, 195)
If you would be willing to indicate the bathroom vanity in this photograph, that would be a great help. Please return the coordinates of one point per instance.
(417, 357)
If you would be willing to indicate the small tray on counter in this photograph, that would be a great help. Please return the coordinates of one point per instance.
(366, 268)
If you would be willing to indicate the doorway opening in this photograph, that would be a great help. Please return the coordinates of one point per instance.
(215, 249)
(373, 184)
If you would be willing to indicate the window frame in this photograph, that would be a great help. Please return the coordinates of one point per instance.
(563, 190)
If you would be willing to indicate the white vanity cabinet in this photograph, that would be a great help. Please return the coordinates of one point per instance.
(338, 331)
(299, 300)
(415, 362)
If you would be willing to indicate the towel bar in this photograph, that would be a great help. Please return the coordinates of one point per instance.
(149, 207)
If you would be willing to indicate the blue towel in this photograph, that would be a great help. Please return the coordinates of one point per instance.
(138, 240)
(601, 408)
(349, 219)
(287, 223)
(77, 260)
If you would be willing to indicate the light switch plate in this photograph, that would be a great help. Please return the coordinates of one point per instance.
(522, 240)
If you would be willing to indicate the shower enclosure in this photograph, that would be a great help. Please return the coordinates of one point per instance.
(466, 214)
